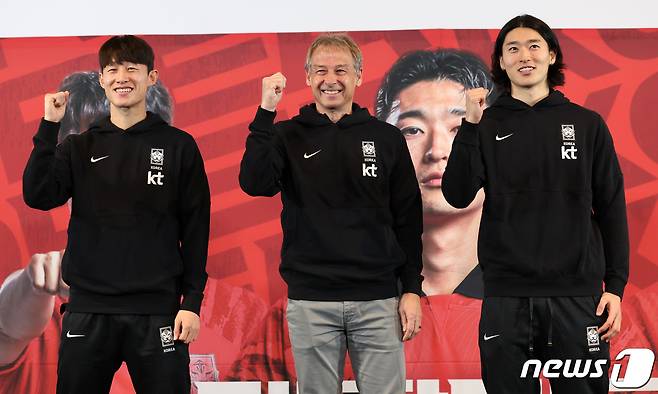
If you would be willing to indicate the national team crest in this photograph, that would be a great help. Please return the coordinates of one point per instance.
(202, 368)
(157, 157)
(592, 336)
(166, 336)
(568, 132)
(368, 148)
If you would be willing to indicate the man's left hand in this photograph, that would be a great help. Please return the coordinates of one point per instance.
(612, 326)
(410, 315)
(186, 326)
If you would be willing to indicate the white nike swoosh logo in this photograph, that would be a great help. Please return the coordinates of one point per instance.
(486, 338)
(503, 137)
(306, 155)
(94, 160)
(69, 335)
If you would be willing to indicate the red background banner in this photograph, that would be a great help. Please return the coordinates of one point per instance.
(215, 84)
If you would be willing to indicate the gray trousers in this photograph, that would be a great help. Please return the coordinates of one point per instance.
(321, 332)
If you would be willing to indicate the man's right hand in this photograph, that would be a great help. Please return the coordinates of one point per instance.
(45, 274)
(476, 100)
(55, 106)
(272, 91)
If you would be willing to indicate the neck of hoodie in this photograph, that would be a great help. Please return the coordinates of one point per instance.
(532, 95)
(125, 118)
(334, 115)
(152, 122)
(508, 102)
(310, 116)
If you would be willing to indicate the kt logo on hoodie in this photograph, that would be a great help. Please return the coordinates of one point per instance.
(157, 161)
(369, 155)
(568, 142)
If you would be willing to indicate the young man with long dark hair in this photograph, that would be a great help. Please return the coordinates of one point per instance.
(553, 242)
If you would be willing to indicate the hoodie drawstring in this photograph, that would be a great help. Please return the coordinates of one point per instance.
(531, 348)
(550, 321)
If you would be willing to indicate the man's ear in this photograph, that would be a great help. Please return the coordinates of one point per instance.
(153, 77)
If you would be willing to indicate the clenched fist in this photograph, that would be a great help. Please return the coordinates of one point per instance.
(272, 91)
(45, 273)
(55, 106)
(475, 103)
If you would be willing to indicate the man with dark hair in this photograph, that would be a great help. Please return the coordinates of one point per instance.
(351, 221)
(135, 246)
(454, 65)
(553, 241)
(30, 321)
(87, 102)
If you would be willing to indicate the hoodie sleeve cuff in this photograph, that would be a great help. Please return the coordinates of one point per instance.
(615, 286)
(48, 131)
(192, 303)
(412, 284)
(468, 133)
(263, 121)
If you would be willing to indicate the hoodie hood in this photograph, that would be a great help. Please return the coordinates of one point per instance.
(506, 101)
(151, 122)
(309, 116)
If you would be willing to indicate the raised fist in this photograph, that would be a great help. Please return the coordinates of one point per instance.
(272, 91)
(45, 273)
(55, 106)
(475, 103)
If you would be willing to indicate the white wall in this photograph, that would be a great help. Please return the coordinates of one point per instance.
(27, 18)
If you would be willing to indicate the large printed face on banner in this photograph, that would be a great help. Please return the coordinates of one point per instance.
(429, 113)
(333, 78)
(215, 83)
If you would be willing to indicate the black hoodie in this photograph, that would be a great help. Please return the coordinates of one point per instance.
(138, 233)
(554, 218)
(352, 215)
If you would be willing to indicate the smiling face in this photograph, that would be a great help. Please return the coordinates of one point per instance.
(333, 79)
(429, 114)
(126, 84)
(526, 58)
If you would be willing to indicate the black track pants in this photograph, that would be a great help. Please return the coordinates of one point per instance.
(93, 346)
(514, 330)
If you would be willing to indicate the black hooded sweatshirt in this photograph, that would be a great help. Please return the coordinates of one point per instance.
(352, 214)
(138, 233)
(554, 217)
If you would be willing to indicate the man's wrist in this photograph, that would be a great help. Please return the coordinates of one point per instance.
(270, 108)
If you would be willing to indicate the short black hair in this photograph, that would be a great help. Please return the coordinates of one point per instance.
(119, 49)
(87, 102)
(158, 101)
(555, 70)
(455, 65)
